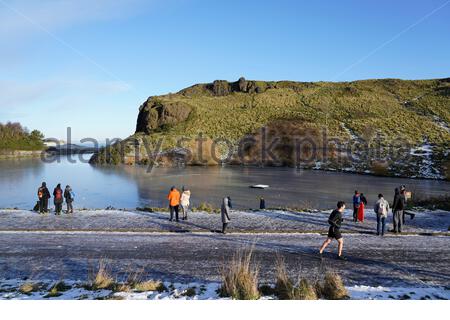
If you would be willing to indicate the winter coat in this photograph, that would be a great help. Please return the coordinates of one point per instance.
(58, 200)
(225, 210)
(68, 194)
(356, 200)
(399, 202)
(377, 206)
(174, 198)
(363, 200)
(185, 197)
(44, 191)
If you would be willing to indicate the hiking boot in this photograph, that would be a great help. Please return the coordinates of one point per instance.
(342, 258)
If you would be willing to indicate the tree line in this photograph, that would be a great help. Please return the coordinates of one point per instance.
(13, 136)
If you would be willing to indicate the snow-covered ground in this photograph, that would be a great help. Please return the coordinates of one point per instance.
(241, 221)
(9, 289)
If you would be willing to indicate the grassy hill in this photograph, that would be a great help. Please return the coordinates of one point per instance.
(366, 116)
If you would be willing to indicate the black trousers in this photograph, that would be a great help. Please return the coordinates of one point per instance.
(58, 207)
(43, 205)
(355, 213)
(173, 210)
(224, 227)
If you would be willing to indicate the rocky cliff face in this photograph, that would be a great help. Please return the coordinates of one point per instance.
(155, 115)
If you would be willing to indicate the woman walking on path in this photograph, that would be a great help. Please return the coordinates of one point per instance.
(225, 213)
(174, 203)
(185, 202)
(69, 196)
(58, 199)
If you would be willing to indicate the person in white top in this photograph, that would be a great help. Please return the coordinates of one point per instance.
(185, 202)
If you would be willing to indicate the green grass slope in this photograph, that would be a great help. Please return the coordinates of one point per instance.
(415, 112)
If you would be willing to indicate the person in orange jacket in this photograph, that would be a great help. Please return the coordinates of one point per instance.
(174, 202)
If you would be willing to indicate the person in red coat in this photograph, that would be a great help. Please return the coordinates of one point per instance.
(361, 208)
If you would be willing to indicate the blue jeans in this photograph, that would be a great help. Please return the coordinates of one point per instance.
(381, 225)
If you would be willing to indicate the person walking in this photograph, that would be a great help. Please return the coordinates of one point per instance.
(185, 202)
(334, 232)
(174, 203)
(381, 209)
(225, 212)
(356, 204)
(43, 196)
(398, 207)
(58, 199)
(362, 205)
(70, 197)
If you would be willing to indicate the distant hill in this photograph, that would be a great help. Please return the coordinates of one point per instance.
(385, 127)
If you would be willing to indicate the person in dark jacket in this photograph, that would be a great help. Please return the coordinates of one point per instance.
(262, 203)
(363, 199)
(335, 221)
(398, 207)
(58, 199)
(225, 212)
(43, 196)
(69, 196)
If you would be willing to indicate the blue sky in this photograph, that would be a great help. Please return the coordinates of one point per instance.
(90, 64)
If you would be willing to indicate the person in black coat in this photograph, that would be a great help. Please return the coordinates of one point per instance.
(43, 196)
(398, 208)
(58, 199)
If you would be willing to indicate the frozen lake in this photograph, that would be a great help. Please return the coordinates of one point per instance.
(132, 186)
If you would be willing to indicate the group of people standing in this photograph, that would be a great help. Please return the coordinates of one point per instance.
(177, 200)
(58, 199)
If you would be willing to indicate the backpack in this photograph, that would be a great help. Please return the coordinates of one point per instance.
(58, 194)
(382, 209)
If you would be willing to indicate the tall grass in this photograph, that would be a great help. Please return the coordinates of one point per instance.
(240, 277)
(285, 288)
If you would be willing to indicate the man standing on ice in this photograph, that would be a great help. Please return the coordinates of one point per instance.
(335, 221)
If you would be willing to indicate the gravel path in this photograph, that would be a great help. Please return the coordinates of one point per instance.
(410, 261)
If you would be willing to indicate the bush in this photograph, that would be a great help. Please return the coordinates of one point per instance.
(240, 278)
(207, 207)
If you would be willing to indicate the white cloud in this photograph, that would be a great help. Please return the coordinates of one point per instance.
(21, 18)
(16, 95)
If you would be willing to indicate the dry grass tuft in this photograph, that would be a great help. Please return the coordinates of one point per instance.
(28, 288)
(149, 285)
(102, 279)
(240, 277)
(285, 288)
(332, 287)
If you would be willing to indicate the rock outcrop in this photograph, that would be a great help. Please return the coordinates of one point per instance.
(156, 115)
